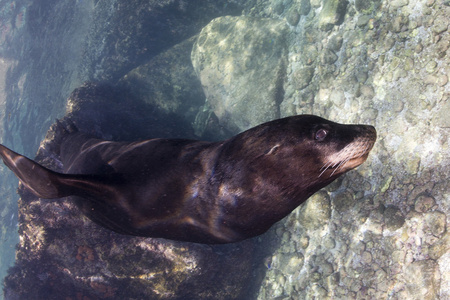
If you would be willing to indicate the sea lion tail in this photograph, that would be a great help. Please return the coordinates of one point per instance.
(42, 182)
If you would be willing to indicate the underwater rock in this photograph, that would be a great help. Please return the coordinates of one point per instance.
(292, 262)
(441, 119)
(343, 201)
(293, 17)
(440, 24)
(305, 7)
(398, 3)
(241, 64)
(367, 6)
(316, 211)
(367, 91)
(393, 218)
(126, 34)
(363, 20)
(86, 106)
(168, 81)
(424, 203)
(335, 43)
(328, 57)
(389, 219)
(278, 8)
(392, 67)
(436, 222)
(302, 77)
(441, 247)
(332, 13)
(422, 280)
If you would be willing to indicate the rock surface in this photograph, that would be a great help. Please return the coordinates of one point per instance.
(234, 57)
(384, 63)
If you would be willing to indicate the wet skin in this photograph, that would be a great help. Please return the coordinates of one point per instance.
(196, 191)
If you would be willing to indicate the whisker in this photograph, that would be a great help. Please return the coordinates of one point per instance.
(324, 168)
(338, 162)
(340, 159)
(326, 165)
(340, 165)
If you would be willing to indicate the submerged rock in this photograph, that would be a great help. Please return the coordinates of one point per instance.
(422, 281)
(302, 77)
(367, 6)
(241, 63)
(305, 7)
(126, 34)
(168, 82)
(332, 13)
(393, 218)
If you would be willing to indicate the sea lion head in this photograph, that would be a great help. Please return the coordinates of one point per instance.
(296, 156)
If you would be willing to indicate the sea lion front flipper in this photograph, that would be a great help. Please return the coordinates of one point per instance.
(42, 182)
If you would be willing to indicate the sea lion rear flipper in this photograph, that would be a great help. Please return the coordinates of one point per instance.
(41, 181)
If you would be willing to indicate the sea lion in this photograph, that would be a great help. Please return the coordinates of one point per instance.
(196, 191)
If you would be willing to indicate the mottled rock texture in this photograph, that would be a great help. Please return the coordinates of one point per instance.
(383, 63)
(241, 63)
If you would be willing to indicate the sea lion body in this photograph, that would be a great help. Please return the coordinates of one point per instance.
(205, 192)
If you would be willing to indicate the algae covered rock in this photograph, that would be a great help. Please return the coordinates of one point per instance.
(241, 64)
(367, 6)
(332, 13)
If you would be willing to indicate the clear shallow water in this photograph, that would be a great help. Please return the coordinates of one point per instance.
(47, 49)
(386, 214)
(11, 22)
(34, 83)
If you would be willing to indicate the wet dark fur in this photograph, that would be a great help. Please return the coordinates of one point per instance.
(206, 192)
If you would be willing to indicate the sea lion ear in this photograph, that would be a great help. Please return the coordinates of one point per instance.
(42, 182)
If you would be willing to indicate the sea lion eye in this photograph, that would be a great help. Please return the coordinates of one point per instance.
(321, 134)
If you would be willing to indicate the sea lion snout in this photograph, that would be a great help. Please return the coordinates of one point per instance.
(353, 153)
(368, 131)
